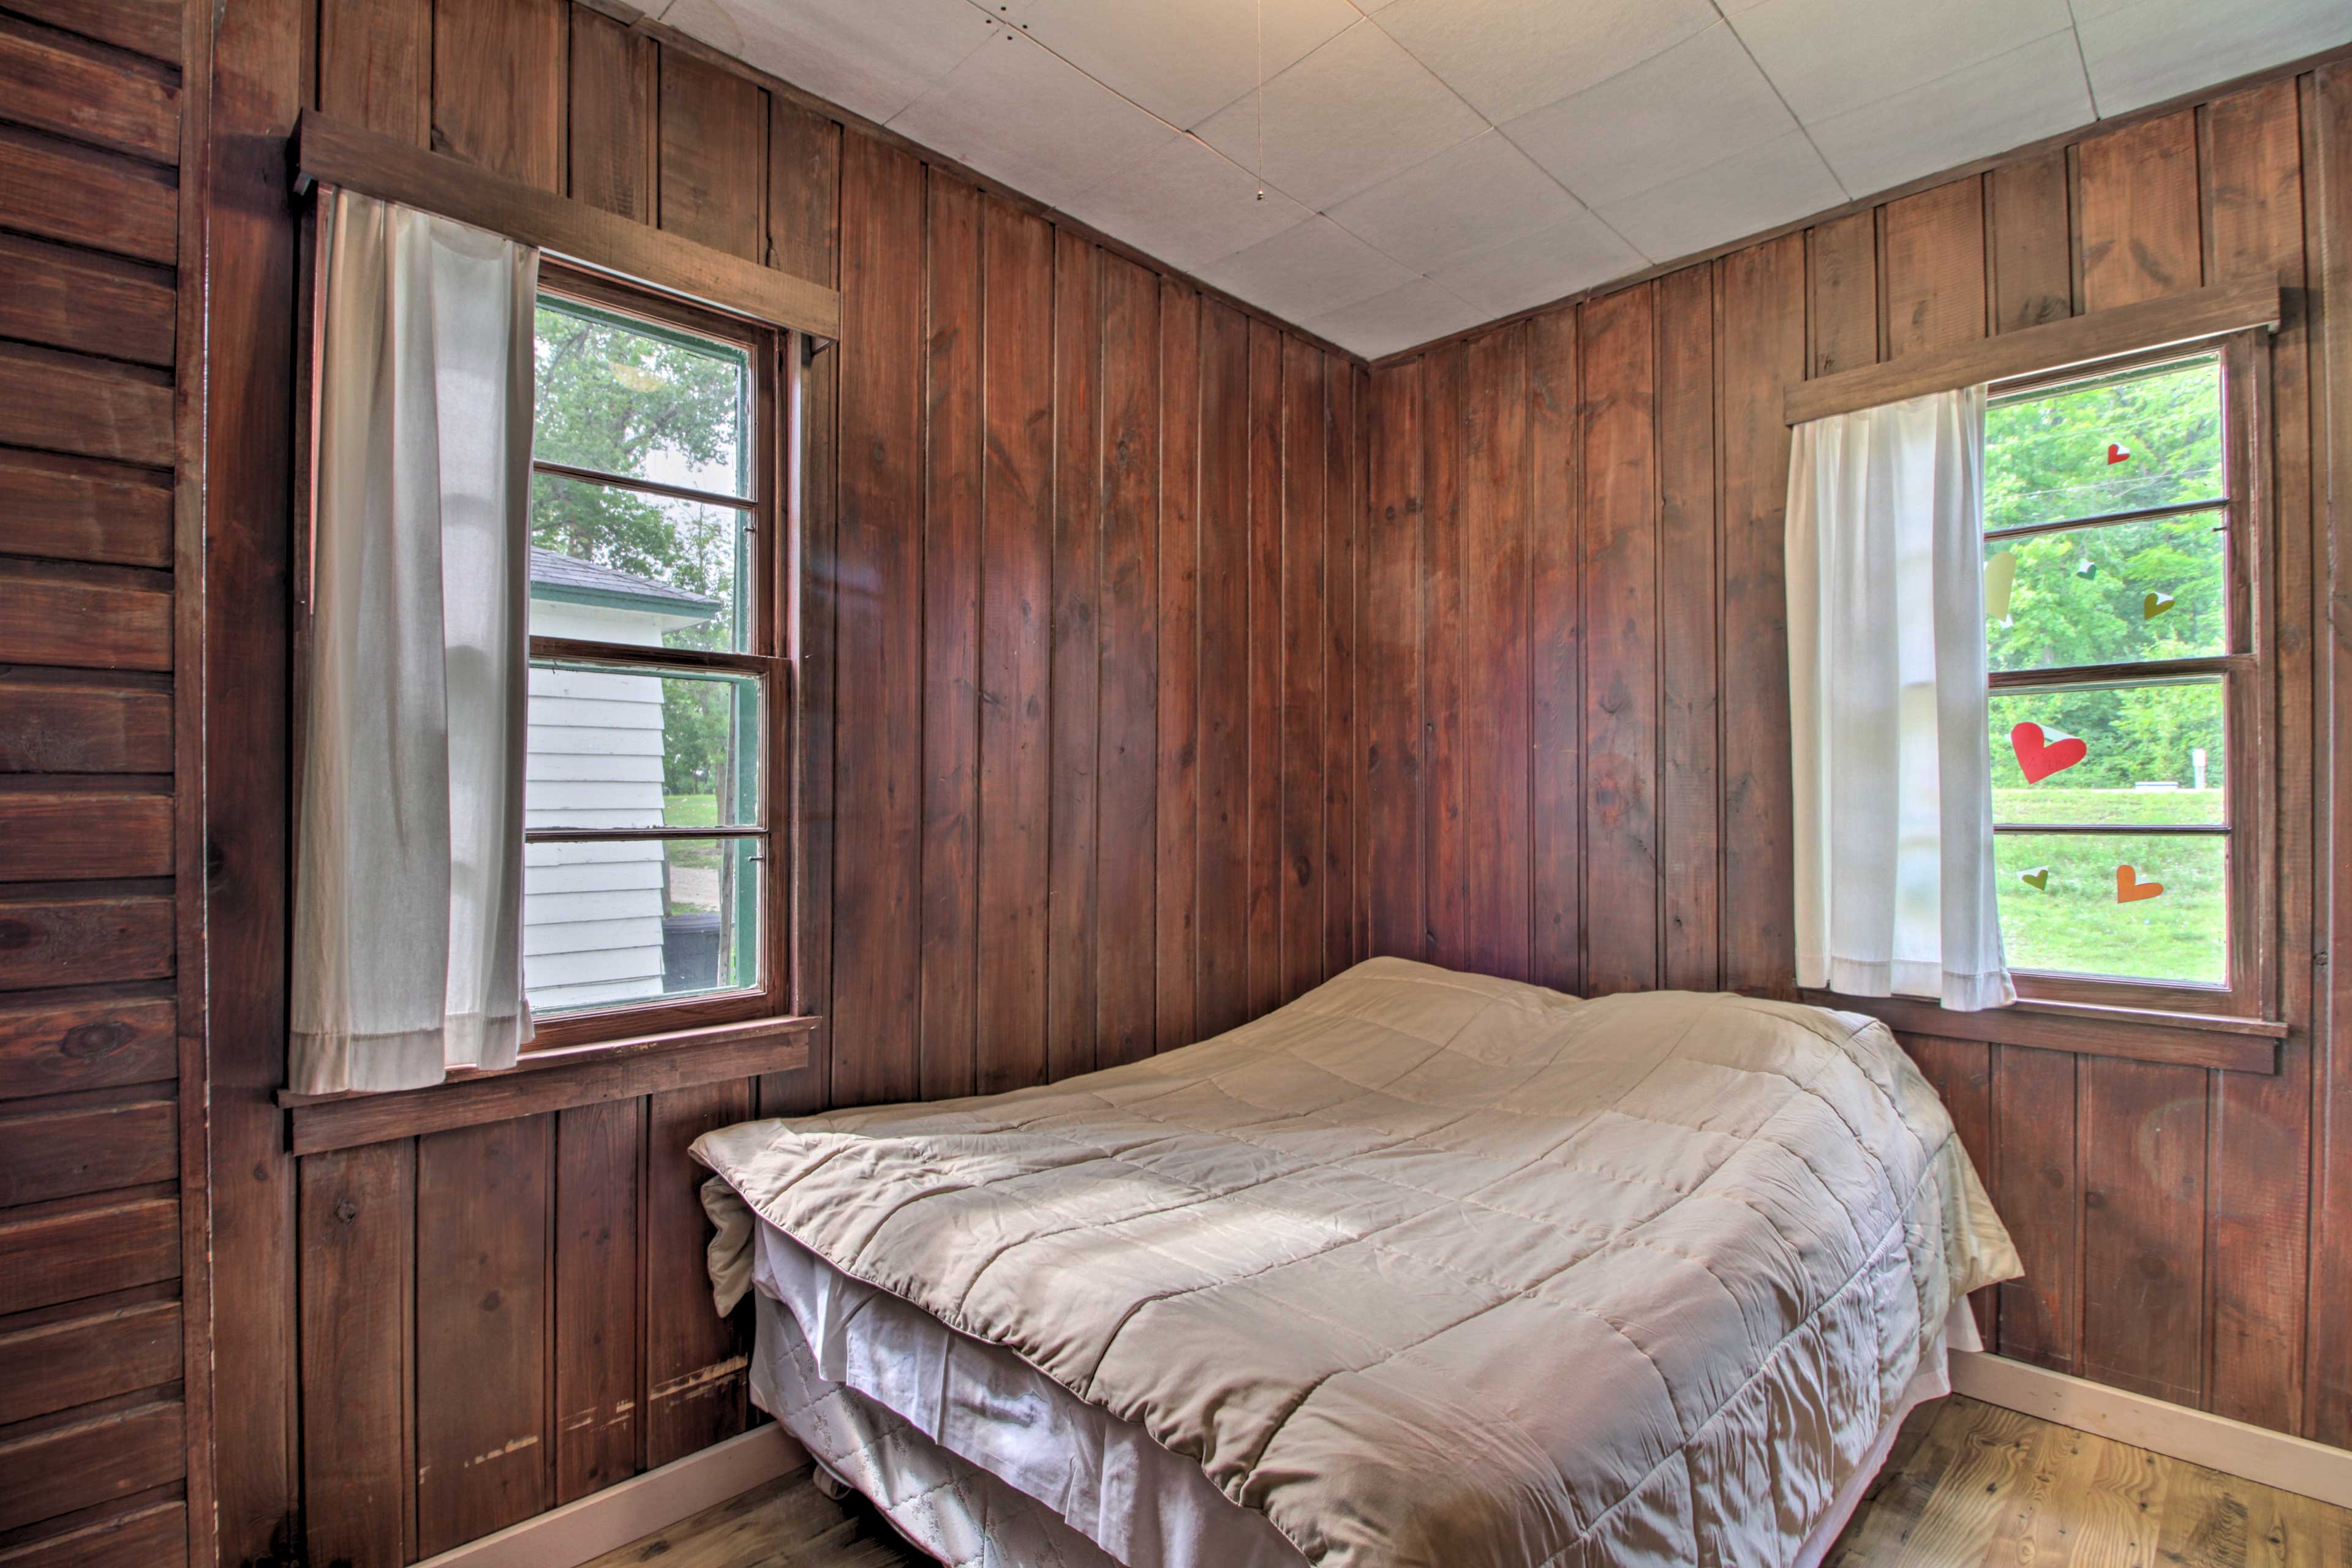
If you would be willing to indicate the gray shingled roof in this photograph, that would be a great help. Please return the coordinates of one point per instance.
(569, 577)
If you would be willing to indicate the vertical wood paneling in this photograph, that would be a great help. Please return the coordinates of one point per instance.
(1494, 529)
(498, 86)
(1304, 475)
(612, 137)
(1395, 809)
(2037, 1187)
(950, 622)
(877, 785)
(1264, 567)
(1932, 255)
(713, 137)
(359, 1240)
(1127, 743)
(1555, 628)
(374, 59)
(1689, 840)
(1449, 867)
(1177, 822)
(1077, 706)
(599, 1155)
(695, 1365)
(2137, 213)
(2032, 275)
(1223, 866)
(1343, 510)
(1015, 645)
(1961, 1072)
(1843, 275)
(1621, 651)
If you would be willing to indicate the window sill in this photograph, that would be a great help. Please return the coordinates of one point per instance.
(551, 1081)
(2134, 1034)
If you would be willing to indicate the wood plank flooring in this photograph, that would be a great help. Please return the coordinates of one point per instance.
(1968, 1486)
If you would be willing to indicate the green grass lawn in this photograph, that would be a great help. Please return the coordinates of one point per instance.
(691, 811)
(2075, 924)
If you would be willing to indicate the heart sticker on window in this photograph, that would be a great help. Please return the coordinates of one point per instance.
(2041, 752)
(2116, 454)
(2154, 605)
(2037, 879)
(2130, 889)
(2000, 576)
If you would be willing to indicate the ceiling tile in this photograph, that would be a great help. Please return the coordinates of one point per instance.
(1829, 56)
(990, 112)
(1183, 60)
(1397, 319)
(1575, 254)
(1777, 183)
(875, 57)
(1672, 115)
(1472, 197)
(1345, 117)
(2008, 101)
(1308, 271)
(2145, 53)
(1506, 57)
(1188, 204)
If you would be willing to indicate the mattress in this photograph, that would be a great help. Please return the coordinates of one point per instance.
(1434, 1269)
(983, 1462)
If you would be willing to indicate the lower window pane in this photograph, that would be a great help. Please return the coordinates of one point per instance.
(615, 922)
(2165, 920)
(2121, 754)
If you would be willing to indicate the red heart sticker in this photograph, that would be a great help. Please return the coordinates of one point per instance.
(2041, 753)
(2130, 889)
(2116, 454)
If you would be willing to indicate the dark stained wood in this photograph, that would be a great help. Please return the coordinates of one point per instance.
(1449, 865)
(2142, 1160)
(714, 133)
(2233, 1044)
(1494, 595)
(83, 835)
(79, 1359)
(76, 509)
(1621, 654)
(482, 1241)
(2137, 213)
(151, 28)
(1177, 817)
(60, 190)
(155, 1534)
(878, 783)
(1961, 1072)
(50, 617)
(599, 1153)
(803, 191)
(95, 304)
(2027, 219)
(615, 156)
(1223, 866)
(83, 1246)
(89, 407)
(1301, 696)
(47, 940)
(64, 86)
(2036, 1187)
(696, 1372)
(1689, 760)
(1556, 632)
(1127, 738)
(376, 60)
(1343, 516)
(62, 1152)
(359, 1236)
(1070, 1020)
(952, 619)
(1933, 257)
(61, 1469)
(1843, 274)
(493, 61)
(1015, 653)
(80, 726)
(1263, 567)
(92, 1038)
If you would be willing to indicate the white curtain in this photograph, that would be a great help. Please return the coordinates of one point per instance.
(1895, 893)
(407, 945)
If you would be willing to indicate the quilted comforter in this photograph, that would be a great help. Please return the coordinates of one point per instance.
(1433, 1269)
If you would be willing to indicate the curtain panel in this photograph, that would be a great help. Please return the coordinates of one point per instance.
(407, 931)
(1895, 891)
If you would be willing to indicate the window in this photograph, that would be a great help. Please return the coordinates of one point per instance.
(652, 878)
(2123, 553)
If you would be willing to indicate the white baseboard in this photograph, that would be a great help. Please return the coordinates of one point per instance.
(2290, 1464)
(583, 1530)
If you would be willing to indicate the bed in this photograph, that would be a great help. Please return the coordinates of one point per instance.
(1421, 1268)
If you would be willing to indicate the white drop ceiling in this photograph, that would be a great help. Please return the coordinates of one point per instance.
(1431, 165)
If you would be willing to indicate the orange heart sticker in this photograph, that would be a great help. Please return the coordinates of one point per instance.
(2130, 889)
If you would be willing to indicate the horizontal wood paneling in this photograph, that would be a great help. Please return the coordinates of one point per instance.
(83, 835)
(76, 1465)
(49, 726)
(154, 1535)
(95, 304)
(151, 28)
(75, 509)
(50, 618)
(80, 1359)
(94, 408)
(50, 941)
(57, 1154)
(66, 1251)
(60, 190)
(86, 1040)
(65, 86)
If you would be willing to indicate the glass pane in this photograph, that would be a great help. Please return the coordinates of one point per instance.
(624, 398)
(616, 565)
(615, 922)
(2148, 437)
(2168, 920)
(2152, 589)
(2134, 754)
(619, 748)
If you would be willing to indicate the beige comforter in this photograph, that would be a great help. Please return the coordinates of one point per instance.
(1433, 1269)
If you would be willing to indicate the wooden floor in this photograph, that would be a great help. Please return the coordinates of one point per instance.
(1968, 1486)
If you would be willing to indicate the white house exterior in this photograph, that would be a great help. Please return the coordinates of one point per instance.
(592, 913)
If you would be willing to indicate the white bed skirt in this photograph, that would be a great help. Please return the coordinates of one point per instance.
(985, 1462)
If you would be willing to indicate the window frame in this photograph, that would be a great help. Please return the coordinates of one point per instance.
(2247, 670)
(770, 659)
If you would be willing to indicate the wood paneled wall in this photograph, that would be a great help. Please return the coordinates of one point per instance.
(1075, 625)
(103, 1374)
(1575, 764)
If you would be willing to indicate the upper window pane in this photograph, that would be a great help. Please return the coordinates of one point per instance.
(621, 396)
(2114, 595)
(2145, 437)
(619, 565)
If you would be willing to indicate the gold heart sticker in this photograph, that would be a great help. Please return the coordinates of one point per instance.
(2000, 576)
(2154, 605)
(2037, 879)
